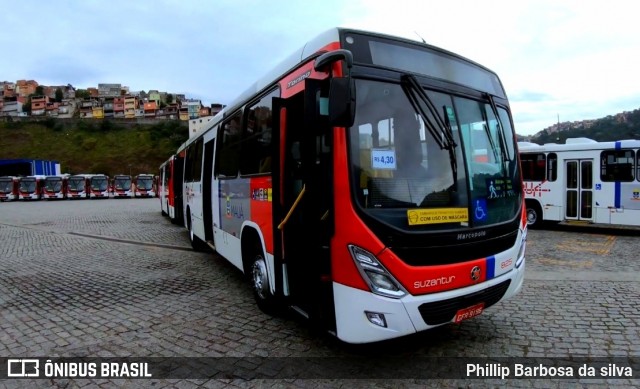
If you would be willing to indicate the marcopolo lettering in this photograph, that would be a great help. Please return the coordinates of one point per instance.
(471, 235)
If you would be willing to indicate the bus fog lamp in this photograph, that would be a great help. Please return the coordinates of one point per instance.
(376, 318)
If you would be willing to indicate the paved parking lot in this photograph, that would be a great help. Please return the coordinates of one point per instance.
(113, 278)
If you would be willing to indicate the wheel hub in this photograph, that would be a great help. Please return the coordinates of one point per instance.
(260, 281)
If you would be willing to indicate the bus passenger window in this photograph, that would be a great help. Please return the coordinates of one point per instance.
(256, 145)
(552, 167)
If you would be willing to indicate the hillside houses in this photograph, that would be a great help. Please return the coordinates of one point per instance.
(27, 98)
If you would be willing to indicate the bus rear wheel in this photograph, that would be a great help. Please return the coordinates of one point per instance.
(534, 215)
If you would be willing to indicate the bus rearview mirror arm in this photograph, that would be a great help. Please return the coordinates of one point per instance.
(342, 91)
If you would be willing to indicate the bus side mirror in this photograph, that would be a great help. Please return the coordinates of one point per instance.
(342, 102)
(341, 107)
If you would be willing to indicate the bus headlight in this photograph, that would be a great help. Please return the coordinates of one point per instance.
(380, 281)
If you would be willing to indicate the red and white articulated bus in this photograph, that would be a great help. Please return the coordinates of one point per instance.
(31, 187)
(122, 186)
(55, 187)
(99, 187)
(345, 185)
(9, 188)
(170, 188)
(143, 186)
(79, 186)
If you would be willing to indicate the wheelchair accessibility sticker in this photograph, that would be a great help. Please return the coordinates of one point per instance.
(480, 210)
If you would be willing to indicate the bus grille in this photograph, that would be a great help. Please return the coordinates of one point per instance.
(454, 253)
(439, 312)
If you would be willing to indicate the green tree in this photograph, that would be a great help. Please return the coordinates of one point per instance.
(59, 95)
(39, 90)
(169, 98)
(26, 107)
(82, 94)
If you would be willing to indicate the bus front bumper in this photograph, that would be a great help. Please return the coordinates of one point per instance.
(411, 314)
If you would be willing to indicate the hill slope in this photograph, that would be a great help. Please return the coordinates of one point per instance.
(84, 146)
(625, 125)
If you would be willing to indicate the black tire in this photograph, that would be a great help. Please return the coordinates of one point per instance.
(534, 215)
(259, 281)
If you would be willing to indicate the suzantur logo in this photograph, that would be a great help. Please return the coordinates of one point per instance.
(433, 282)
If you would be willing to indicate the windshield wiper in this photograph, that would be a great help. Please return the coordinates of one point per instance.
(440, 129)
(503, 141)
(437, 127)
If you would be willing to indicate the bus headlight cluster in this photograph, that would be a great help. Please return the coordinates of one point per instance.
(380, 281)
(523, 245)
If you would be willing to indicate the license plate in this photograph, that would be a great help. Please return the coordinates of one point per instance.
(468, 313)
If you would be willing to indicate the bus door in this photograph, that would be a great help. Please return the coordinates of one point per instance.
(302, 201)
(579, 189)
(178, 177)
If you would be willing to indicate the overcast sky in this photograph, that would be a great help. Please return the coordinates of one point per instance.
(576, 59)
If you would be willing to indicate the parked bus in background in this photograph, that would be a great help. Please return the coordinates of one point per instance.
(56, 187)
(156, 184)
(9, 188)
(346, 184)
(122, 186)
(99, 186)
(79, 186)
(31, 187)
(143, 186)
(563, 183)
(164, 174)
(170, 188)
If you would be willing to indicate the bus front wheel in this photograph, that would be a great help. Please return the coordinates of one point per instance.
(259, 279)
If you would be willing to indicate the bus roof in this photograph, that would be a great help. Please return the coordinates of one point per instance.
(575, 144)
(298, 57)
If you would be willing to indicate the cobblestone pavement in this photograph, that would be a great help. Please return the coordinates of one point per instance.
(113, 278)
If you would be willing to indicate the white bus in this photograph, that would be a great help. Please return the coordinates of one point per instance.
(31, 187)
(79, 186)
(122, 186)
(56, 187)
(9, 188)
(582, 180)
(369, 182)
(99, 187)
(144, 186)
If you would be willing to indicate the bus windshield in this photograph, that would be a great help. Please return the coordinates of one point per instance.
(6, 186)
(28, 185)
(145, 183)
(99, 183)
(53, 184)
(122, 183)
(450, 157)
(76, 184)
